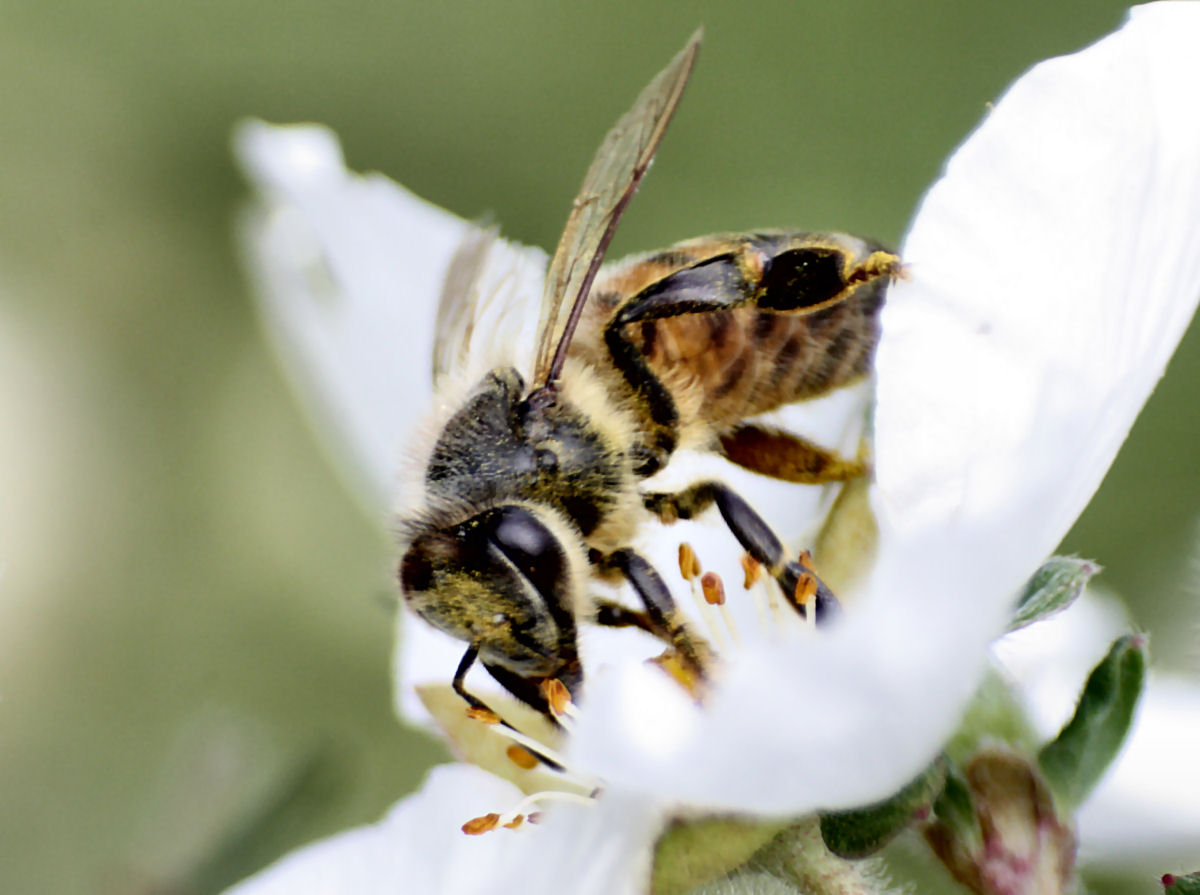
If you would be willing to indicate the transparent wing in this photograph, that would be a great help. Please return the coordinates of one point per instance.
(611, 180)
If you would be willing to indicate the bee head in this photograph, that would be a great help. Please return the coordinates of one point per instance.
(503, 580)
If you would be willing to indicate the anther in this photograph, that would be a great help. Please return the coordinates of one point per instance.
(515, 822)
(557, 696)
(689, 563)
(805, 560)
(477, 826)
(806, 589)
(714, 589)
(752, 569)
(521, 757)
(487, 716)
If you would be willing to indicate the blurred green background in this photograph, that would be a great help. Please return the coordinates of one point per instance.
(194, 620)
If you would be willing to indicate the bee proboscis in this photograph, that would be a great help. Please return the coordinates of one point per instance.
(532, 490)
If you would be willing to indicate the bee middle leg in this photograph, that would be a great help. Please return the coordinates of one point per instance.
(753, 534)
(662, 617)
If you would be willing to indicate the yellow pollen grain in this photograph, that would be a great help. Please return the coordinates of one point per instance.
(689, 563)
(714, 589)
(485, 715)
(515, 822)
(521, 757)
(479, 825)
(752, 569)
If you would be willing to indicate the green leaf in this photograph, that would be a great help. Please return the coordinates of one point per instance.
(1075, 760)
(1052, 589)
(1182, 885)
(863, 831)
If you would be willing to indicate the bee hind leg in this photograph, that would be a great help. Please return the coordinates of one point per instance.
(795, 579)
(783, 455)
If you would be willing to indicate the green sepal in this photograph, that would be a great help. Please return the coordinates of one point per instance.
(1052, 589)
(1181, 885)
(995, 714)
(955, 808)
(1079, 755)
(691, 853)
(860, 832)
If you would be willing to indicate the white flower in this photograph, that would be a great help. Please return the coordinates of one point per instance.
(1053, 270)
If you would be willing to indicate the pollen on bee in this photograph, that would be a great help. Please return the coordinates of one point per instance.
(714, 589)
(689, 563)
(477, 826)
(521, 757)
(487, 716)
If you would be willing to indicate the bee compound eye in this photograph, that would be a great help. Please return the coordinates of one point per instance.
(531, 547)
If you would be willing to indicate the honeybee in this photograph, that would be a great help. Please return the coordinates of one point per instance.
(533, 490)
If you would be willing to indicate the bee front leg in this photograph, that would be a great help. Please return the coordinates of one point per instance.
(753, 534)
(486, 714)
(662, 617)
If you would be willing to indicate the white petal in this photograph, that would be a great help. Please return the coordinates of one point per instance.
(348, 271)
(1054, 268)
(419, 847)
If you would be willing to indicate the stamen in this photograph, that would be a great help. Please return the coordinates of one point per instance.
(521, 757)
(689, 563)
(487, 716)
(521, 814)
(806, 589)
(689, 567)
(753, 570)
(558, 697)
(477, 826)
(713, 588)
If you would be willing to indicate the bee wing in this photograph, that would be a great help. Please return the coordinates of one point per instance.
(610, 182)
(483, 315)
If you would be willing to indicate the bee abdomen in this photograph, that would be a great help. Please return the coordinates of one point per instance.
(731, 365)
